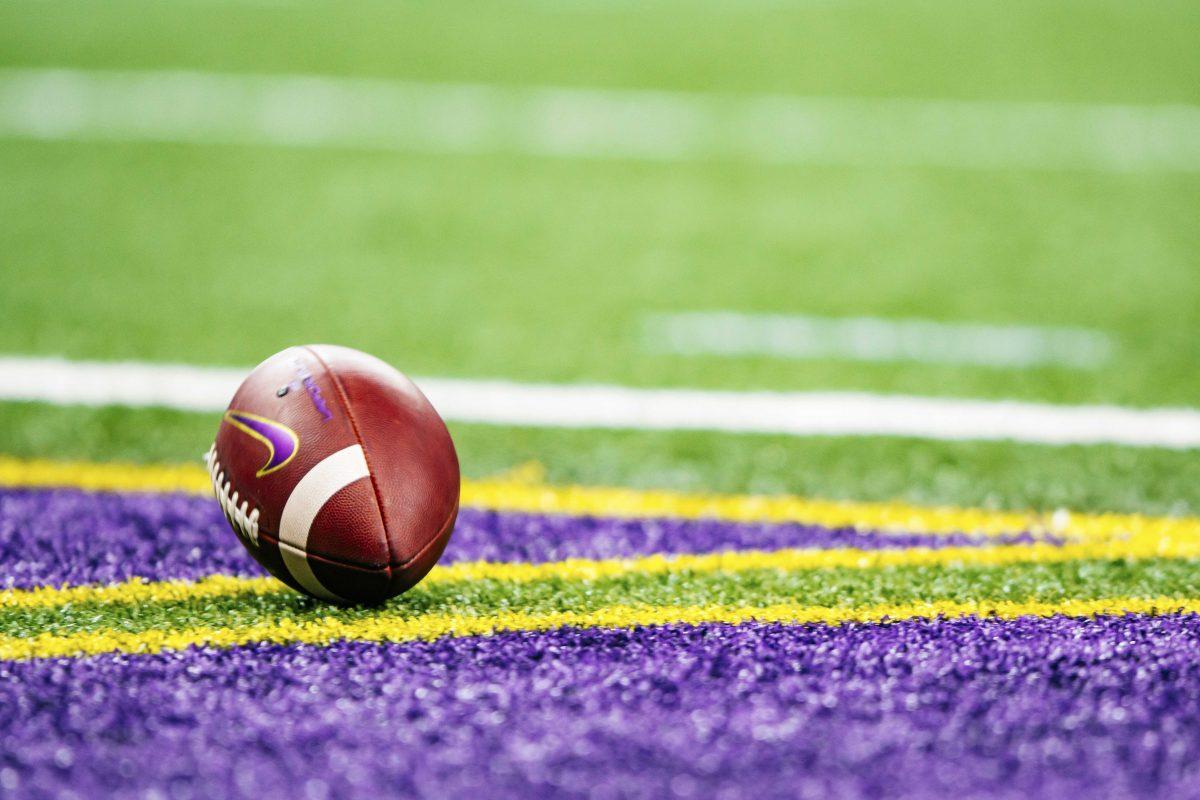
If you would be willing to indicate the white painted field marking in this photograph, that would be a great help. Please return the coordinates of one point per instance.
(798, 336)
(307, 111)
(584, 406)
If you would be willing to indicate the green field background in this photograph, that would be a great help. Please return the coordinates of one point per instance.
(541, 269)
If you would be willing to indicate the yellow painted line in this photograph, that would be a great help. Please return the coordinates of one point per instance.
(514, 494)
(112, 477)
(396, 627)
(579, 569)
(139, 590)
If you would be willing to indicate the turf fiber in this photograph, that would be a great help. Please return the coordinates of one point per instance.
(610, 620)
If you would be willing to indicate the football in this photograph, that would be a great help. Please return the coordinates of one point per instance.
(336, 473)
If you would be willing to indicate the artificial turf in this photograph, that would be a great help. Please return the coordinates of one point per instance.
(1083, 580)
(1001, 475)
(495, 265)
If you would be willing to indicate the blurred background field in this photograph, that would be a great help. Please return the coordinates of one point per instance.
(492, 261)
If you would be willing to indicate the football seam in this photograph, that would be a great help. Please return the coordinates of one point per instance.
(345, 403)
(443, 533)
(336, 562)
(272, 538)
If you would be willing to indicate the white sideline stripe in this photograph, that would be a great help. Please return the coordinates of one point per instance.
(798, 336)
(310, 111)
(319, 484)
(208, 389)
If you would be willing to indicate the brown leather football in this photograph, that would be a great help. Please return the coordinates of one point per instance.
(336, 473)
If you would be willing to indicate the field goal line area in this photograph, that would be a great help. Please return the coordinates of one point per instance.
(208, 389)
(559, 122)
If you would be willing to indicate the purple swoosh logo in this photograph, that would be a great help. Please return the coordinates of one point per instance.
(281, 441)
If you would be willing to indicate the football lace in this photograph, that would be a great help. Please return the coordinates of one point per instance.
(241, 517)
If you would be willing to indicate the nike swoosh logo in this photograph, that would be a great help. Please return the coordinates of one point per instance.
(281, 441)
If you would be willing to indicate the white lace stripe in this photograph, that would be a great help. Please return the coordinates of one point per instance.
(240, 515)
(314, 490)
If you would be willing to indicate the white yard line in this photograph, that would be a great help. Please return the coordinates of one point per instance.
(798, 336)
(306, 111)
(208, 389)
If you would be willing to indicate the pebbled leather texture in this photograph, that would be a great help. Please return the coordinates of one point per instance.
(377, 537)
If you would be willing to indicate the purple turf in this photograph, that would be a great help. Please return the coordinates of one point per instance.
(1037, 708)
(51, 537)
(511, 536)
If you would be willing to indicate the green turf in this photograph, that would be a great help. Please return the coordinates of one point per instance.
(841, 587)
(1099, 50)
(989, 474)
(540, 269)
